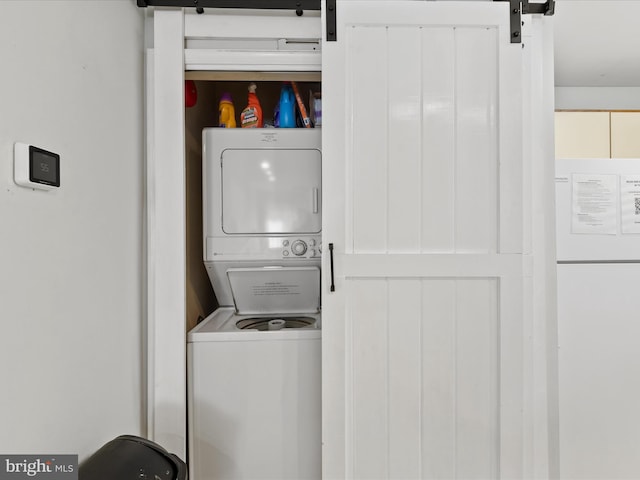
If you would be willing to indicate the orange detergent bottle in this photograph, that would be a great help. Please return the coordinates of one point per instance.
(251, 116)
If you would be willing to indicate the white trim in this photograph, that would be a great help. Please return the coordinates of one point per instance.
(205, 59)
(226, 40)
(166, 209)
(229, 23)
(438, 265)
(538, 40)
(149, 332)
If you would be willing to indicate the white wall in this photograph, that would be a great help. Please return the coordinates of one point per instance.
(595, 45)
(71, 285)
(597, 98)
(597, 57)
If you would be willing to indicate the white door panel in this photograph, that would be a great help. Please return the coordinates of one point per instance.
(404, 139)
(428, 145)
(438, 140)
(422, 178)
(368, 89)
(425, 386)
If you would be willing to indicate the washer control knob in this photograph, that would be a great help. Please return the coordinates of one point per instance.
(312, 243)
(285, 253)
(285, 243)
(299, 248)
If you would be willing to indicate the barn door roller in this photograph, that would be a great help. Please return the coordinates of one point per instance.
(519, 7)
(330, 15)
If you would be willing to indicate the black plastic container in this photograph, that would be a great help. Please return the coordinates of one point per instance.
(128, 456)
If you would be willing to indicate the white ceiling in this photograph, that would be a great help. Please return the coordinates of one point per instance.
(597, 43)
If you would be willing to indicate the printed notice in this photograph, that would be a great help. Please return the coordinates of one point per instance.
(594, 206)
(630, 203)
(275, 290)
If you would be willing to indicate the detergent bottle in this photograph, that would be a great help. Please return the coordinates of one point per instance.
(227, 114)
(276, 115)
(190, 93)
(286, 107)
(251, 116)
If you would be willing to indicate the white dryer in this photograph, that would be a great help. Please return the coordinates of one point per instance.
(254, 382)
(262, 200)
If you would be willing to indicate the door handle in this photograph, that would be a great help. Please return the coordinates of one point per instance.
(333, 286)
(316, 200)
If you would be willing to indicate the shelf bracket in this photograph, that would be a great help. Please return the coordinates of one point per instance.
(517, 8)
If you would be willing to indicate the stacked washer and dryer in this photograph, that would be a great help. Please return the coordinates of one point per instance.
(254, 383)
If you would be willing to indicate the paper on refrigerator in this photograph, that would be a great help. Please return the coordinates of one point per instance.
(630, 203)
(594, 204)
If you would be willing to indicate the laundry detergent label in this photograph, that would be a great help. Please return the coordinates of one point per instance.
(249, 118)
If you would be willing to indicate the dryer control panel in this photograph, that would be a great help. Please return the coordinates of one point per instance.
(301, 247)
(263, 248)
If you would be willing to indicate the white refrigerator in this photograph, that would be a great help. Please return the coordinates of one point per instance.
(598, 251)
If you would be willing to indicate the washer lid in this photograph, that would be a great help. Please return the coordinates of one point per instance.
(275, 290)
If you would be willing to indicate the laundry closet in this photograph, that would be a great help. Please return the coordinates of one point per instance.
(433, 246)
(209, 87)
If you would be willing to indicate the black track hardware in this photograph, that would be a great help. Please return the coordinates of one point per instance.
(299, 6)
(331, 21)
(517, 8)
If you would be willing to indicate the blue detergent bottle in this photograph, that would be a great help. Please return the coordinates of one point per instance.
(287, 107)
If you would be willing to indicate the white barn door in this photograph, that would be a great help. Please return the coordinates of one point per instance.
(423, 205)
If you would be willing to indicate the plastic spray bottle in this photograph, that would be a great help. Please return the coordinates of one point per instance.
(251, 116)
(227, 114)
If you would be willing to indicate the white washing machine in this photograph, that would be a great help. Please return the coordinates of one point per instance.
(254, 396)
(254, 380)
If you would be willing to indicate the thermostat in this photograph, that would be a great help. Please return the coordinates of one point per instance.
(35, 167)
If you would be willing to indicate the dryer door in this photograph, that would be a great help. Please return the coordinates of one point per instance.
(271, 191)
